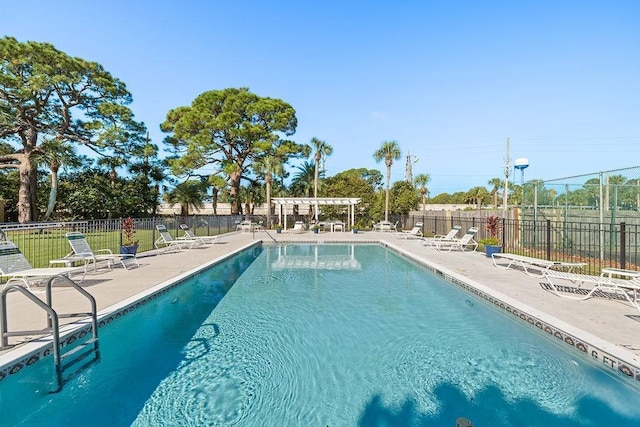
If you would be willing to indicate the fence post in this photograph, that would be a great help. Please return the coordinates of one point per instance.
(548, 244)
(623, 245)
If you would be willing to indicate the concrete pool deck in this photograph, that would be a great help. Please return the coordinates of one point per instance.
(611, 324)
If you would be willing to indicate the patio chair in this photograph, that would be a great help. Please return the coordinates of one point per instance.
(464, 243)
(414, 233)
(81, 251)
(440, 237)
(190, 235)
(602, 285)
(15, 267)
(167, 242)
(337, 226)
(526, 263)
(299, 227)
(450, 235)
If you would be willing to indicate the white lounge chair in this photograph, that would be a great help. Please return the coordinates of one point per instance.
(441, 237)
(81, 250)
(386, 226)
(450, 235)
(14, 266)
(464, 243)
(414, 233)
(600, 283)
(167, 242)
(247, 226)
(298, 227)
(190, 235)
(525, 262)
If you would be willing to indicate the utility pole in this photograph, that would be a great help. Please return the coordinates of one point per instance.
(507, 172)
(408, 172)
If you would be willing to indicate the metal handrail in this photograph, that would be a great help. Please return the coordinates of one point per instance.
(53, 324)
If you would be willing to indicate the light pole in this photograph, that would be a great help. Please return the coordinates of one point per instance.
(521, 164)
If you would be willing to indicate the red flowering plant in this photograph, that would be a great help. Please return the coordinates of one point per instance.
(493, 225)
(129, 231)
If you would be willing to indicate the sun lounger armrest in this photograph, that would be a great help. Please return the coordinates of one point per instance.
(104, 251)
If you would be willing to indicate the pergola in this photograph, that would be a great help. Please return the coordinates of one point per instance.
(282, 202)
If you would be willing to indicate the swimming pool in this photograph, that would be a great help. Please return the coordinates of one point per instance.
(322, 335)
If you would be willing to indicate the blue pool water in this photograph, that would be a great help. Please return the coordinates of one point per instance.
(325, 335)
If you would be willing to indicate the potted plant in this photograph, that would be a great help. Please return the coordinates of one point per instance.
(316, 228)
(129, 243)
(493, 225)
(278, 228)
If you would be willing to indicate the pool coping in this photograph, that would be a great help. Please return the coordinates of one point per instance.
(31, 352)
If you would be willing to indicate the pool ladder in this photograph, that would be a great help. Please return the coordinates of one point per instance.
(80, 351)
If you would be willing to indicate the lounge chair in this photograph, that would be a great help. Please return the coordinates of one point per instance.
(525, 262)
(385, 226)
(441, 237)
(247, 226)
(298, 227)
(167, 242)
(450, 235)
(414, 233)
(82, 251)
(14, 266)
(600, 283)
(190, 235)
(464, 243)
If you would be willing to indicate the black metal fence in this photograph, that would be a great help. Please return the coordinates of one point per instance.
(599, 245)
(41, 242)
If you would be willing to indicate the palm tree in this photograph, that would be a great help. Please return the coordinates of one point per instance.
(497, 185)
(476, 195)
(302, 183)
(188, 193)
(389, 151)
(56, 154)
(421, 181)
(268, 166)
(217, 183)
(322, 150)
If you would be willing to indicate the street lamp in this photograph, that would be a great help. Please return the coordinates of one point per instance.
(521, 164)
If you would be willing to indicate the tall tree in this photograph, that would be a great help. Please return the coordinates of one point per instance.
(57, 153)
(421, 181)
(497, 184)
(188, 193)
(150, 171)
(268, 166)
(388, 151)
(230, 129)
(45, 93)
(477, 195)
(302, 183)
(217, 183)
(321, 151)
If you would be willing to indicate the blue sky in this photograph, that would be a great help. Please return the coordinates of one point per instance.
(450, 81)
